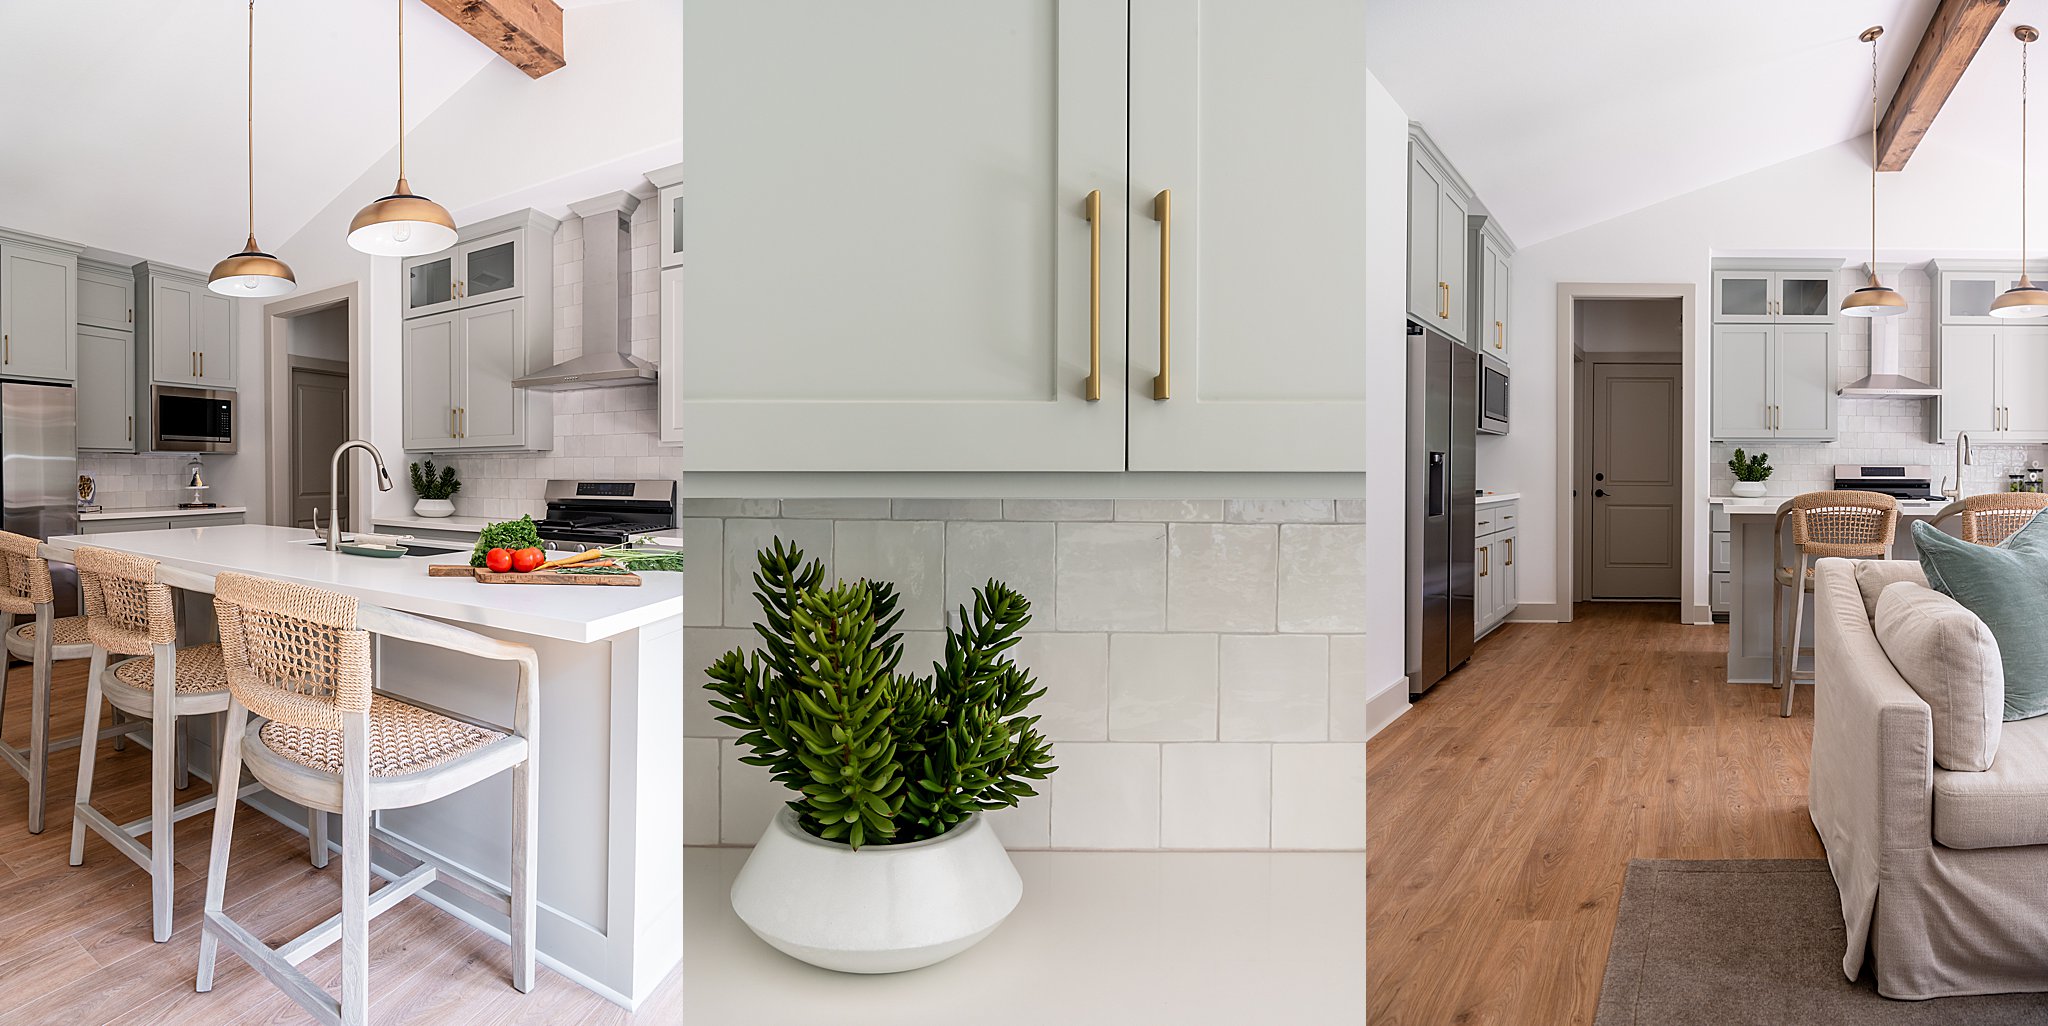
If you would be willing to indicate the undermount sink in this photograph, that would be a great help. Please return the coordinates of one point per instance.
(411, 548)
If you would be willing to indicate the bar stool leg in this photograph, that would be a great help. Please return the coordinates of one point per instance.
(1792, 643)
(525, 853)
(316, 837)
(226, 781)
(184, 736)
(355, 871)
(120, 740)
(88, 748)
(162, 773)
(39, 721)
(1777, 630)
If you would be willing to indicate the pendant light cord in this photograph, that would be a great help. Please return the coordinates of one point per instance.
(251, 83)
(1873, 160)
(2024, 45)
(401, 90)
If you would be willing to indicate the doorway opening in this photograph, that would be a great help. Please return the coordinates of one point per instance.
(311, 346)
(1629, 455)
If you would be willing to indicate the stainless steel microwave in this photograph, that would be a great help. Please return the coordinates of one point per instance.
(1493, 395)
(191, 419)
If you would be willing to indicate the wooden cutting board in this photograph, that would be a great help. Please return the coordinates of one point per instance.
(625, 580)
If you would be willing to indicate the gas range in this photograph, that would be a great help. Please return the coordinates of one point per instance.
(1904, 483)
(599, 514)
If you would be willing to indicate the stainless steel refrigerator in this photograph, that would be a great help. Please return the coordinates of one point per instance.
(39, 471)
(1443, 418)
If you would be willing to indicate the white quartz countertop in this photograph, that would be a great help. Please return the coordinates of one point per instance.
(1737, 505)
(575, 614)
(452, 525)
(153, 512)
(1493, 497)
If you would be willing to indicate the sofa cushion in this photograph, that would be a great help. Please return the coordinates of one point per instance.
(1873, 576)
(2006, 585)
(2004, 806)
(1951, 660)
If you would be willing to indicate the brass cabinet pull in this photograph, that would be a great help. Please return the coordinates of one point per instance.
(451, 422)
(1162, 212)
(462, 422)
(202, 365)
(1500, 335)
(1443, 302)
(1511, 553)
(1485, 562)
(1094, 393)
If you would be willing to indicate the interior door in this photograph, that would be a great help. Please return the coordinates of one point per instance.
(1240, 301)
(430, 391)
(1805, 387)
(1635, 525)
(319, 423)
(901, 273)
(1742, 382)
(489, 405)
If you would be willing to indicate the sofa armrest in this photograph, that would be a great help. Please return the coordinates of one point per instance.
(1872, 775)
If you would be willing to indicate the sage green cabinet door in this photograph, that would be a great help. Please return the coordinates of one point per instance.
(213, 340)
(1742, 382)
(107, 300)
(1805, 387)
(1969, 381)
(488, 407)
(38, 313)
(430, 362)
(174, 326)
(106, 390)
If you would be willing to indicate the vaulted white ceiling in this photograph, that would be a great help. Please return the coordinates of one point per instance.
(1562, 115)
(123, 123)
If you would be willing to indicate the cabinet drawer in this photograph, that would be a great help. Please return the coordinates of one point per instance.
(1719, 550)
(1719, 517)
(1718, 591)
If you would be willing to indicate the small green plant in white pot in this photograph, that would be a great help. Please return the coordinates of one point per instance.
(881, 860)
(434, 488)
(1750, 473)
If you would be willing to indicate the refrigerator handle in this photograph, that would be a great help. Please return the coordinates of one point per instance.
(1439, 484)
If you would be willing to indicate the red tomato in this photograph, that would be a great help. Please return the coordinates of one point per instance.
(526, 559)
(498, 561)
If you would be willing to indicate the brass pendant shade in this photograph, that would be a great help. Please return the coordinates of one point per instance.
(2024, 299)
(252, 273)
(402, 224)
(1875, 299)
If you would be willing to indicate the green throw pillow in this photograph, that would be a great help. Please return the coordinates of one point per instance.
(2007, 587)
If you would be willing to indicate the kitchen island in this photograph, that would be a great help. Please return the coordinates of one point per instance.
(1749, 524)
(609, 769)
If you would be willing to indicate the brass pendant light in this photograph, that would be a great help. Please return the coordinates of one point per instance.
(2025, 299)
(1874, 299)
(402, 224)
(252, 273)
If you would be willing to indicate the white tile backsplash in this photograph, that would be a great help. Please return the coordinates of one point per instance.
(149, 479)
(700, 790)
(748, 796)
(1156, 624)
(1319, 796)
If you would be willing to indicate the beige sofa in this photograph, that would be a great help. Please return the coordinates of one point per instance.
(1943, 874)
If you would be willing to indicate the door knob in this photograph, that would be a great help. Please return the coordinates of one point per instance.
(1599, 493)
(1599, 477)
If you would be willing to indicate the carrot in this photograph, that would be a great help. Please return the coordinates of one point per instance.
(581, 557)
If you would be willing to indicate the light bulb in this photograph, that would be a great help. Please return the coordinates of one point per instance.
(251, 284)
(402, 234)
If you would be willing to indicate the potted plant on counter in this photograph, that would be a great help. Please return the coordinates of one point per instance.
(434, 489)
(1750, 473)
(881, 862)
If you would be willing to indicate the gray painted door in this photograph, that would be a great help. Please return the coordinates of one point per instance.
(319, 423)
(1635, 480)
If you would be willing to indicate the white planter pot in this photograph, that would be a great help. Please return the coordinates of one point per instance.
(1749, 489)
(882, 909)
(434, 508)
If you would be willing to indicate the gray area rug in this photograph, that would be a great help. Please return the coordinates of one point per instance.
(1757, 942)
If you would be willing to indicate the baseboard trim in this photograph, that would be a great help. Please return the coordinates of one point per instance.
(1538, 612)
(1386, 705)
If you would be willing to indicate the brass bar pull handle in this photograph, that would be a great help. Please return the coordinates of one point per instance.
(1162, 212)
(1094, 393)
(462, 422)
(1511, 553)
(1500, 335)
(202, 365)
(1485, 561)
(451, 422)
(1443, 301)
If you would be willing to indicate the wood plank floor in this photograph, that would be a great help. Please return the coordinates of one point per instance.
(75, 945)
(1505, 806)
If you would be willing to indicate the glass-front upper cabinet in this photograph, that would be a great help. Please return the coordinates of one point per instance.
(490, 263)
(1774, 297)
(670, 181)
(1965, 296)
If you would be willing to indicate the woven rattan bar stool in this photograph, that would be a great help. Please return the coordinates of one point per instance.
(1857, 525)
(1993, 517)
(299, 658)
(27, 591)
(128, 612)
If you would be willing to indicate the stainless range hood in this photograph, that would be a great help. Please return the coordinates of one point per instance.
(1884, 378)
(607, 360)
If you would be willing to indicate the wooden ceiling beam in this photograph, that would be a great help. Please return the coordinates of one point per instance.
(527, 33)
(1953, 36)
